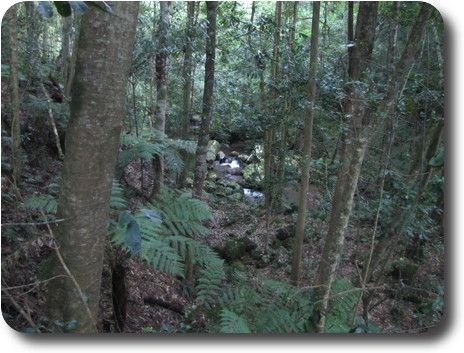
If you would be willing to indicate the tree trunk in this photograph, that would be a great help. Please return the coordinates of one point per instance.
(92, 142)
(187, 88)
(16, 154)
(365, 124)
(308, 137)
(353, 155)
(203, 139)
(161, 93)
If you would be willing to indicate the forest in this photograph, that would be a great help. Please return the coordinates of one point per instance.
(222, 167)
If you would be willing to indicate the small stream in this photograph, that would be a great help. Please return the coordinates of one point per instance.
(231, 169)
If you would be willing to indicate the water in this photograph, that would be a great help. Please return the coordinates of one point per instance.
(231, 163)
(254, 197)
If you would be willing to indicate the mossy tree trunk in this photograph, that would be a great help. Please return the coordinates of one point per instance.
(203, 139)
(92, 143)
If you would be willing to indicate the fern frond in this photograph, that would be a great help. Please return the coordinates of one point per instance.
(46, 203)
(162, 257)
(117, 196)
(173, 161)
(137, 147)
(182, 214)
(232, 323)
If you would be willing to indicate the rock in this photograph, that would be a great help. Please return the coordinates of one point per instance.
(252, 158)
(221, 156)
(212, 176)
(242, 158)
(236, 171)
(285, 232)
(234, 153)
(234, 250)
(237, 197)
(250, 245)
(209, 186)
(213, 149)
(230, 184)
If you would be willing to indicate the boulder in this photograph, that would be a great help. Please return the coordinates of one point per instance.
(213, 149)
(285, 232)
(221, 156)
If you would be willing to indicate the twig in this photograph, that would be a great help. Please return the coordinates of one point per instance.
(35, 284)
(71, 276)
(32, 223)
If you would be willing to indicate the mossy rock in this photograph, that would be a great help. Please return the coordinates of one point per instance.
(209, 186)
(236, 197)
(404, 269)
(234, 250)
(237, 249)
(285, 232)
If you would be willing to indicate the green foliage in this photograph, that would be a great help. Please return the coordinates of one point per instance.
(181, 214)
(232, 323)
(174, 151)
(117, 200)
(343, 301)
(46, 203)
(265, 307)
(161, 233)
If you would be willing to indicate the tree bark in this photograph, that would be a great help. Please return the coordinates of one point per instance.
(203, 139)
(161, 92)
(187, 87)
(365, 124)
(16, 154)
(92, 143)
(308, 137)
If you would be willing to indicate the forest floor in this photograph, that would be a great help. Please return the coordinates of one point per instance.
(25, 249)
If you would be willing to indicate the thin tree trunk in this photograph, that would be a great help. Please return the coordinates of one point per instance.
(203, 139)
(92, 143)
(16, 155)
(52, 122)
(342, 203)
(161, 93)
(308, 137)
(270, 173)
(187, 87)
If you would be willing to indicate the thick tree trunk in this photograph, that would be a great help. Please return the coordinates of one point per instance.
(308, 137)
(92, 142)
(366, 124)
(203, 139)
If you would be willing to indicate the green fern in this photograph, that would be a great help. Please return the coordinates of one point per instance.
(46, 203)
(164, 228)
(344, 297)
(117, 200)
(232, 323)
(175, 152)
(181, 214)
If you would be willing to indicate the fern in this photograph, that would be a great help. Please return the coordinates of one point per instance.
(270, 306)
(232, 323)
(46, 203)
(176, 152)
(117, 200)
(344, 298)
(181, 214)
(163, 226)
